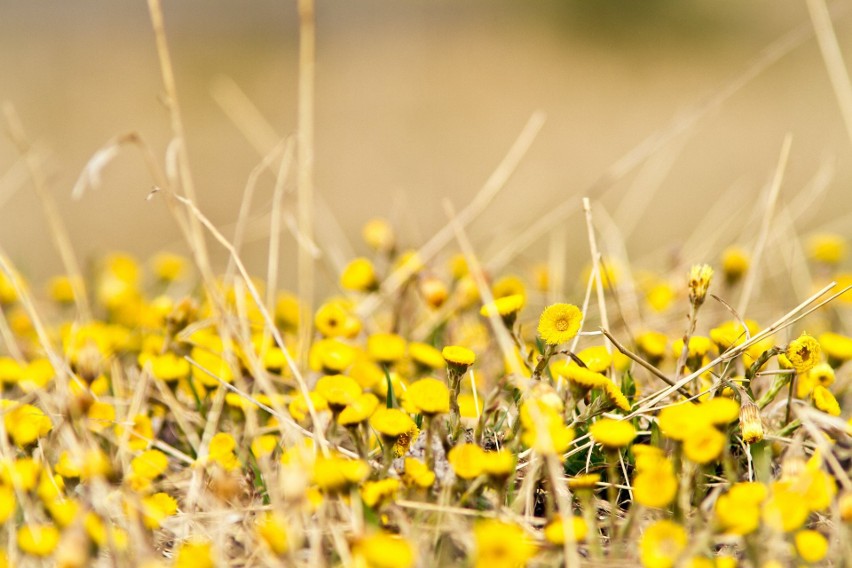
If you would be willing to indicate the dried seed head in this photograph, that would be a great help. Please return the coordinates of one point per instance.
(750, 423)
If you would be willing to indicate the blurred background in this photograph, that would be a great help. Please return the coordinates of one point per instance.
(418, 101)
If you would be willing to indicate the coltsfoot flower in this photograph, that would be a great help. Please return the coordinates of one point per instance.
(559, 323)
(803, 353)
(699, 281)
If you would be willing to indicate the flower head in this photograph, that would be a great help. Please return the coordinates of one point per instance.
(699, 282)
(391, 422)
(379, 235)
(501, 544)
(735, 263)
(467, 460)
(386, 347)
(825, 401)
(458, 356)
(425, 355)
(383, 550)
(505, 307)
(429, 396)
(555, 531)
(38, 540)
(359, 410)
(359, 276)
(611, 433)
(803, 353)
(655, 484)
(662, 544)
(559, 323)
(272, 530)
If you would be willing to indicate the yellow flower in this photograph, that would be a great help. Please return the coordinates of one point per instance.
(731, 333)
(298, 407)
(335, 473)
(554, 532)
(194, 553)
(425, 355)
(596, 358)
(391, 422)
(374, 493)
(509, 285)
(559, 323)
(786, 509)
(661, 545)
(156, 508)
(221, 451)
(653, 345)
(735, 263)
(506, 307)
(660, 296)
(383, 550)
(837, 347)
(169, 367)
(366, 372)
(24, 422)
(149, 464)
(580, 376)
(433, 291)
(168, 267)
(655, 484)
(38, 540)
(264, 445)
(459, 356)
(827, 248)
(699, 346)
(287, 310)
(803, 353)
(704, 445)
(822, 374)
(8, 503)
(272, 530)
(359, 276)
(811, 546)
(611, 433)
(699, 282)
(616, 396)
(720, 410)
(336, 319)
(100, 416)
(467, 460)
(379, 235)
(500, 464)
(501, 544)
(429, 396)
(738, 511)
(386, 347)
(63, 511)
(584, 482)
(542, 427)
(825, 401)
(338, 390)
(359, 410)
(61, 289)
(418, 474)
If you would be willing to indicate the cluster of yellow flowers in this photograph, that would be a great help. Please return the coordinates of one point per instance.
(165, 421)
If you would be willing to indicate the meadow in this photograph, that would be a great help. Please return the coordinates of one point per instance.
(371, 400)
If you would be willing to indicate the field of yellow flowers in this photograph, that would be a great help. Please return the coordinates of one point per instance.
(430, 412)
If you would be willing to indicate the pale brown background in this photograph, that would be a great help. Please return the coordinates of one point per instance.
(417, 100)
